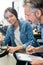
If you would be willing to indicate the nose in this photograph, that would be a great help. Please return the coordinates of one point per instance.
(9, 19)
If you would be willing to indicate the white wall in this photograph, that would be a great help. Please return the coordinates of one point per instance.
(18, 5)
(3, 5)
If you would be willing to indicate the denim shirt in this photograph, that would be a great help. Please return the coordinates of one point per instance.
(41, 26)
(26, 35)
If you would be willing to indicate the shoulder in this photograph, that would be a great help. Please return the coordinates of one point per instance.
(27, 24)
(10, 28)
(23, 22)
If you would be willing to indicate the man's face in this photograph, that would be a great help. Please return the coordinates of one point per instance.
(29, 15)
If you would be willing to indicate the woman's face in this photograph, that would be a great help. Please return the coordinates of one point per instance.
(11, 18)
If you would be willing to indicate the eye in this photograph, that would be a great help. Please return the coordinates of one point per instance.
(6, 17)
(27, 14)
(10, 16)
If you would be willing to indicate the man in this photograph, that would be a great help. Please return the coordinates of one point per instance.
(37, 7)
(30, 16)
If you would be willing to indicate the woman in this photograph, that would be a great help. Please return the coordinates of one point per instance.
(19, 33)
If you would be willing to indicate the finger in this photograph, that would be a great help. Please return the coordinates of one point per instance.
(29, 47)
(8, 49)
(29, 52)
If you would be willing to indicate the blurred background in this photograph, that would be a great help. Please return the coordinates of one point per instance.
(17, 4)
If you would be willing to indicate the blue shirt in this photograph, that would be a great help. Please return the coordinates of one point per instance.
(41, 26)
(26, 35)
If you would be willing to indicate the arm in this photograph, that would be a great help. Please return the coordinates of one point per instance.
(7, 37)
(14, 49)
(6, 40)
(39, 49)
(30, 36)
(37, 62)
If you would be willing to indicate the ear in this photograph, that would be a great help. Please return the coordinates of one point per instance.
(38, 13)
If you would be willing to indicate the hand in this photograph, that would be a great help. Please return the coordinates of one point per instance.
(30, 49)
(1, 38)
(11, 49)
(37, 62)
